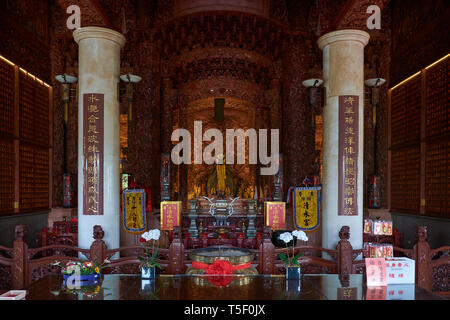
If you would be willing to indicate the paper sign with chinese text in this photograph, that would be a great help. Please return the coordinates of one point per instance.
(306, 206)
(376, 272)
(348, 147)
(400, 270)
(170, 214)
(93, 134)
(134, 217)
(275, 216)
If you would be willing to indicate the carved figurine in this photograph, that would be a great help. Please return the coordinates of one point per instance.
(98, 233)
(20, 232)
(421, 233)
(344, 233)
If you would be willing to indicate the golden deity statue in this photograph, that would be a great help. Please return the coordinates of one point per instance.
(252, 192)
(220, 180)
(221, 172)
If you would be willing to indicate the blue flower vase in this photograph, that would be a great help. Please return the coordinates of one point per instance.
(85, 280)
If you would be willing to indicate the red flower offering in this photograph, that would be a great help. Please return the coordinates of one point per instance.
(220, 267)
(221, 272)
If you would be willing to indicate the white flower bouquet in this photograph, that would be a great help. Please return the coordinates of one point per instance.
(148, 260)
(287, 237)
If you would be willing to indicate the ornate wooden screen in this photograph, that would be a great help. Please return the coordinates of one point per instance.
(437, 139)
(420, 142)
(7, 173)
(405, 145)
(24, 141)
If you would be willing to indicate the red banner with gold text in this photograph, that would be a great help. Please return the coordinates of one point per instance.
(170, 214)
(275, 216)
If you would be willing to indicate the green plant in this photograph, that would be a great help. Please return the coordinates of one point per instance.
(148, 259)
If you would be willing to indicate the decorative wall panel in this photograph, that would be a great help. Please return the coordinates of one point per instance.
(6, 98)
(405, 112)
(6, 175)
(405, 179)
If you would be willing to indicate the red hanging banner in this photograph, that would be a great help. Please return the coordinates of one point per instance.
(275, 215)
(170, 214)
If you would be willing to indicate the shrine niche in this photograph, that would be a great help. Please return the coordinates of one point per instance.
(238, 114)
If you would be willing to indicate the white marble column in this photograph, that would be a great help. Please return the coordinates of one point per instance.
(343, 74)
(99, 70)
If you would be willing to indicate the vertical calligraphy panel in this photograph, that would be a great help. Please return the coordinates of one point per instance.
(93, 137)
(348, 155)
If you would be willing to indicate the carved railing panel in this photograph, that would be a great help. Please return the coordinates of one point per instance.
(130, 265)
(441, 276)
(310, 264)
(57, 250)
(6, 252)
(25, 265)
(441, 252)
(39, 268)
(406, 252)
(5, 277)
(359, 267)
(6, 263)
(308, 251)
(440, 266)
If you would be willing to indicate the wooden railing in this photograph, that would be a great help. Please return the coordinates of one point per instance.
(20, 265)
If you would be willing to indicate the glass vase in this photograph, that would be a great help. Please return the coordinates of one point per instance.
(293, 279)
(148, 272)
(293, 273)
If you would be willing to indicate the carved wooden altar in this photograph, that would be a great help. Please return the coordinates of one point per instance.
(242, 226)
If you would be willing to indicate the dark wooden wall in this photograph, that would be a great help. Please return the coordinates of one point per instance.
(420, 35)
(24, 35)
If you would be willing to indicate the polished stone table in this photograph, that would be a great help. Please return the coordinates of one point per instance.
(260, 287)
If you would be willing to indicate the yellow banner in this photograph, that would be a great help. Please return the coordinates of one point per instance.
(306, 206)
(134, 218)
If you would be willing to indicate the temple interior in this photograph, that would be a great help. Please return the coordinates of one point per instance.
(224, 123)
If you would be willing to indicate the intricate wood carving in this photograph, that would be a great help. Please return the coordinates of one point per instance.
(176, 253)
(441, 276)
(221, 29)
(98, 247)
(5, 277)
(421, 251)
(268, 252)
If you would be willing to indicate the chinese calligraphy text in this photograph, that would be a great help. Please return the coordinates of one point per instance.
(93, 114)
(348, 155)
